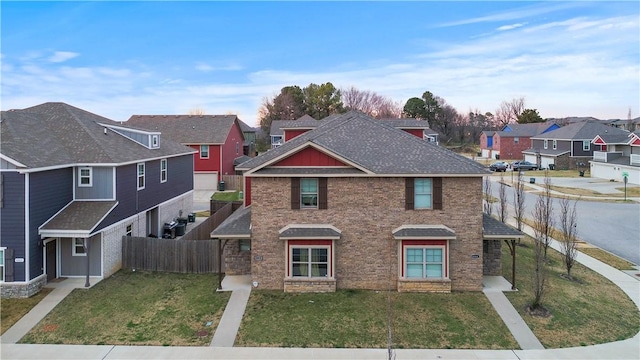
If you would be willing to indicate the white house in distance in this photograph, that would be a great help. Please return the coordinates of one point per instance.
(619, 156)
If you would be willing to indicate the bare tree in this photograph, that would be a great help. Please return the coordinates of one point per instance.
(370, 103)
(518, 200)
(547, 213)
(502, 199)
(539, 273)
(196, 111)
(509, 111)
(568, 240)
(488, 204)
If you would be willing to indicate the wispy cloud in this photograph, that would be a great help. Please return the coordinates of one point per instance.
(514, 14)
(62, 56)
(510, 27)
(204, 67)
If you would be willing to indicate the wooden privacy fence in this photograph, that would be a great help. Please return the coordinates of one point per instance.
(170, 255)
(204, 229)
(233, 182)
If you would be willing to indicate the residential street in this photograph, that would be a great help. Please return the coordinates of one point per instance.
(611, 226)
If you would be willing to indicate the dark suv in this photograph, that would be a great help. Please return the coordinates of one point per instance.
(523, 165)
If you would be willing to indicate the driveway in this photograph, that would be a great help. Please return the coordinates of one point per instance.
(201, 199)
(613, 227)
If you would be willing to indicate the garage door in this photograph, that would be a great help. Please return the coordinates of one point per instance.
(206, 181)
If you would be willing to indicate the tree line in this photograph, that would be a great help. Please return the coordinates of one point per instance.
(320, 101)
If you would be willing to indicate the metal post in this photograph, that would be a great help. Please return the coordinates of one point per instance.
(86, 251)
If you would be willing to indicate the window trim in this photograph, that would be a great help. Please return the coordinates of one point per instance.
(555, 144)
(516, 140)
(546, 144)
(155, 141)
(128, 230)
(586, 145)
(416, 194)
(163, 171)
(2, 264)
(74, 247)
(424, 244)
(309, 247)
(316, 193)
(203, 152)
(140, 176)
(80, 176)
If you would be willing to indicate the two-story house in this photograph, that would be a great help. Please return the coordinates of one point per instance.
(568, 147)
(73, 183)
(356, 203)
(619, 155)
(218, 139)
(512, 140)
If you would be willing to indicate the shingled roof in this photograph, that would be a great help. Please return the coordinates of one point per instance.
(188, 129)
(54, 134)
(586, 130)
(375, 147)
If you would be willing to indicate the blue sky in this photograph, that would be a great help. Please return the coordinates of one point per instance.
(122, 58)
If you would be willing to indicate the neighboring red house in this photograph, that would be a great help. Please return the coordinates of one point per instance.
(357, 203)
(217, 138)
(512, 140)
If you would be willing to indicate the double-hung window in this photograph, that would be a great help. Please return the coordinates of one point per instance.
(424, 262)
(516, 140)
(309, 193)
(204, 151)
(129, 230)
(2, 264)
(78, 247)
(422, 193)
(140, 170)
(309, 261)
(586, 145)
(163, 170)
(555, 144)
(84, 177)
(546, 143)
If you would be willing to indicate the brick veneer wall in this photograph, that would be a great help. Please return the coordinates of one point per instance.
(491, 257)
(236, 262)
(367, 210)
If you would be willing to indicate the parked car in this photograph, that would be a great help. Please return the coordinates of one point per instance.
(499, 166)
(523, 165)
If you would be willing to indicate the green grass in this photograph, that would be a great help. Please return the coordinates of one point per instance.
(589, 311)
(226, 196)
(358, 319)
(12, 310)
(607, 258)
(136, 308)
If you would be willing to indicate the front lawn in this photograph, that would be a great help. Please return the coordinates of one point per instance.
(589, 311)
(12, 310)
(136, 308)
(358, 319)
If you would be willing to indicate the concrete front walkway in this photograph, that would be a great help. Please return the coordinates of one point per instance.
(240, 287)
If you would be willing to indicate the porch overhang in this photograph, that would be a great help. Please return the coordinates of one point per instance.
(236, 226)
(424, 232)
(310, 231)
(77, 219)
(494, 229)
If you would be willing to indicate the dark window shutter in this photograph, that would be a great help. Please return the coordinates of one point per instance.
(322, 193)
(437, 193)
(408, 194)
(295, 193)
(8, 265)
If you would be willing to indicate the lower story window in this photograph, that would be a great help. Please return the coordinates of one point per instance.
(2, 265)
(245, 245)
(309, 262)
(78, 247)
(425, 260)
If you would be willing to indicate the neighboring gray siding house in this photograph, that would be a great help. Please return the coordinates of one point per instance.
(568, 147)
(73, 183)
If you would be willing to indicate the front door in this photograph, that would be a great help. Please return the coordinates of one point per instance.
(52, 264)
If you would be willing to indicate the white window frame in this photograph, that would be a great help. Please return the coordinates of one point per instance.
(89, 176)
(428, 193)
(128, 230)
(75, 246)
(204, 151)
(155, 140)
(163, 170)
(555, 144)
(309, 193)
(309, 248)
(444, 264)
(516, 140)
(140, 176)
(2, 265)
(586, 145)
(546, 143)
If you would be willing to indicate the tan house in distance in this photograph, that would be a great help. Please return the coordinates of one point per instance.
(358, 204)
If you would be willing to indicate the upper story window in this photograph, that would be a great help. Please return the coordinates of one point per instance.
(586, 145)
(2, 264)
(129, 230)
(546, 143)
(155, 141)
(555, 144)
(140, 176)
(85, 177)
(237, 148)
(163, 170)
(204, 151)
(78, 247)
(516, 140)
(309, 193)
(422, 194)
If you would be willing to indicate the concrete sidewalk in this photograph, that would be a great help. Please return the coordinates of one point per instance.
(240, 287)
